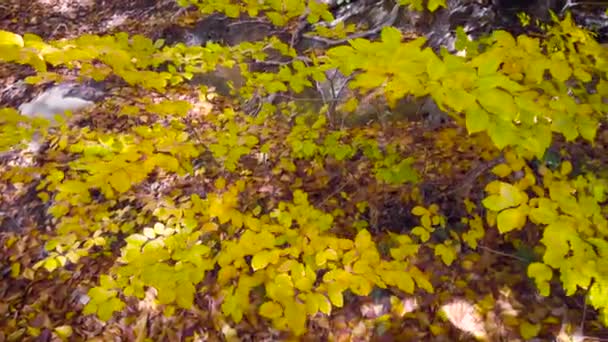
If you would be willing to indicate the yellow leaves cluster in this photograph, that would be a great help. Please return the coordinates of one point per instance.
(497, 91)
(429, 219)
(289, 272)
(510, 203)
(568, 210)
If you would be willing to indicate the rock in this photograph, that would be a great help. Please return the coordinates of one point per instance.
(61, 98)
(57, 100)
(219, 29)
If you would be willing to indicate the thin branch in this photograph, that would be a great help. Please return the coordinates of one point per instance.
(333, 42)
(502, 253)
(570, 4)
(295, 36)
(470, 178)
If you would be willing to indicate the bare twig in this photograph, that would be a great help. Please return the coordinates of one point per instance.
(570, 4)
(335, 192)
(333, 42)
(301, 26)
(470, 178)
(502, 253)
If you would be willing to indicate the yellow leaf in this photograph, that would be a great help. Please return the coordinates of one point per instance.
(405, 282)
(15, 269)
(209, 227)
(421, 279)
(271, 310)
(419, 211)
(502, 170)
(295, 315)
(9, 38)
(262, 259)
(503, 195)
(510, 219)
(312, 306)
(560, 69)
(351, 105)
(422, 233)
(446, 252)
(426, 221)
(361, 286)
(220, 183)
(323, 302)
(541, 274)
(436, 220)
(281, 288)
(120, 181)
(64, 331)
(334, 292)
(546, 212)
(529, 330)
(566, 168)
(51, 264)
(363, 241)
(515, 162)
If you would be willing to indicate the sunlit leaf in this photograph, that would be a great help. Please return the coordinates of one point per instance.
(9, 38)
(511, 219)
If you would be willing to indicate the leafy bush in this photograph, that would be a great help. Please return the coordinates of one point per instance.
(299, 259)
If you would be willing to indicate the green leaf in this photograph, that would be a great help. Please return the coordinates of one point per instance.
(504, 39)
(459, 100)
(587, 127)
(495, 80)
(503, 133)
(497, 101)
(487, 64)
(566, 126)
(477, 120)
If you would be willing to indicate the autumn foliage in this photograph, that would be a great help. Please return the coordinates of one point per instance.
(279, 215)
